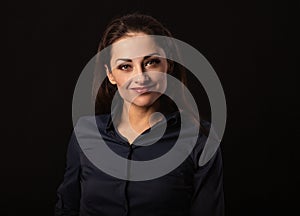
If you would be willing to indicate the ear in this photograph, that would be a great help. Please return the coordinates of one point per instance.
(110, 76)
(170, 66)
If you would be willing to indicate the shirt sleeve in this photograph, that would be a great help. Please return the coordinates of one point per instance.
(208, 197)
(68, 192)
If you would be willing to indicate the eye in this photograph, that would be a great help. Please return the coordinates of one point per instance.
(152, 62)
(124, 67)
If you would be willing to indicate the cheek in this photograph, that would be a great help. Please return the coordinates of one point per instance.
(161, 81)
(165, 66)
(121, 81)
(159, 76)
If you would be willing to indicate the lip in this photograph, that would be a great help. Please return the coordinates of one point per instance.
(142, 89)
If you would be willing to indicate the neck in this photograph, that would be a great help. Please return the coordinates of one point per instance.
(138, 118)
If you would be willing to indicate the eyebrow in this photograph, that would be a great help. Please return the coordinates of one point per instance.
(145, 57)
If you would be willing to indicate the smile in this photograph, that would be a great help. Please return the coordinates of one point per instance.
(142, 89)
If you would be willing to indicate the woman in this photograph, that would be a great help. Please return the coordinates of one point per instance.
(137, 72)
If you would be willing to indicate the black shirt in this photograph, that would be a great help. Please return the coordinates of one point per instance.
(188, 190)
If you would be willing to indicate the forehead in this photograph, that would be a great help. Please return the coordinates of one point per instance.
(135, 47)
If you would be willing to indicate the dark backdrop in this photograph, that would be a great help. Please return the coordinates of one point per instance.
(251, 46)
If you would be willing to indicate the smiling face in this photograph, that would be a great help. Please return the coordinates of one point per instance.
(138, 68)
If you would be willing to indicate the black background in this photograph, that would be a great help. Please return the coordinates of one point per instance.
(250, 44)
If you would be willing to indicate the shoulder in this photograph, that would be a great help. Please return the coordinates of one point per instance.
(91, 123)
(207, 144)
(101, 120)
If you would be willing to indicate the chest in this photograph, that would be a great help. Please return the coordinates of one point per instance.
(174, 188)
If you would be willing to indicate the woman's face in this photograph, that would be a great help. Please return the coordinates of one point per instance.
(138, 68)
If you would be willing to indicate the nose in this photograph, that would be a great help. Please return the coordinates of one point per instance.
(140, 76)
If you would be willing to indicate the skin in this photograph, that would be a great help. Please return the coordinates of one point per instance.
(139, 70)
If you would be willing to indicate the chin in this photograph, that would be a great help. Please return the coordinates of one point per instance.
(145, 100)
(143, 103)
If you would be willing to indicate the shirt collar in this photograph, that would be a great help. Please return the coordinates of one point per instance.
(171, 118)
